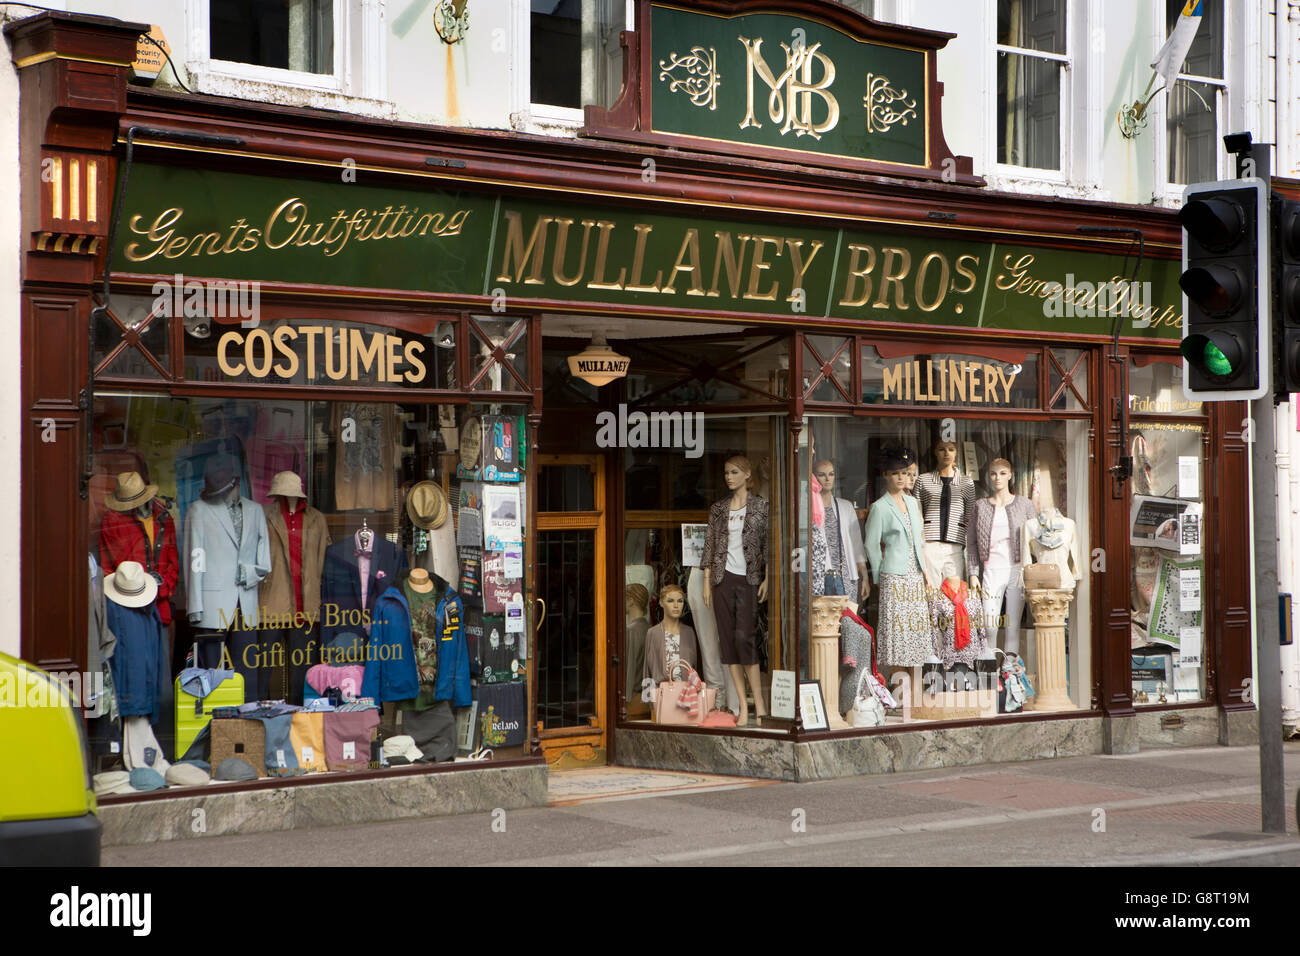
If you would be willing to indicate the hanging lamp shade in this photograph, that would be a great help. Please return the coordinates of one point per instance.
(598, 364)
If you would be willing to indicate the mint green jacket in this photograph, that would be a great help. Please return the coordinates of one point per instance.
(885, 527)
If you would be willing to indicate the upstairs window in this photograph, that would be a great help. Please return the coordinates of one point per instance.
(576, 59)
(293, 35)
(1032, 57)
(1198, 100)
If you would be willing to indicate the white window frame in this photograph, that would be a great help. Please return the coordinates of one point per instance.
(1080, 168)
(358, 82)
(1225, 104)
(544, 117)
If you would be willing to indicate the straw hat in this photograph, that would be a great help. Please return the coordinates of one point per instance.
(426, 503)
(131, 492)
(286, 484)
(129, 586)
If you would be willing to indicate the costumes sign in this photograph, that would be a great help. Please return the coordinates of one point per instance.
(478, 248)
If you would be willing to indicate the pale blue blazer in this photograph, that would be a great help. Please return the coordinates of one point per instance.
(885, 527)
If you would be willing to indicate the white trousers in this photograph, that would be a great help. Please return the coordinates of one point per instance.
(706, 635)
(998, 583)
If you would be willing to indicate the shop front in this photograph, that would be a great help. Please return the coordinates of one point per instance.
(505, 447)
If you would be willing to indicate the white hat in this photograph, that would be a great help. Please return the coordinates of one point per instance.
(112, 781)
(402, 746)
(129, 586)
(286, 484)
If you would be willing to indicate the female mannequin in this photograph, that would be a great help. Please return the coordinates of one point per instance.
(670, 639)
(997, 558)
(735, 555)
(947, 501)
(904, 635)
(1051, 539)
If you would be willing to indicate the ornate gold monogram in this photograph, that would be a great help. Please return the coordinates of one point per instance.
(880, 103)
(701, 78)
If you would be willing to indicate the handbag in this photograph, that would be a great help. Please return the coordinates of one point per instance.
(1042, 576)
(669, 692)
(867, 710)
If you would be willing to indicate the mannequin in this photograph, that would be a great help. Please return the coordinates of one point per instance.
(230, 553)
(735, 556)
(670, 639)
(428, 720)
(997, 557)
(913, 472)
(959, 623)
(1050, 538)
(636, 604)
(138, 527)
(132, 616)
(947, 501)
(358, 570)
(846, 560)
(290, 594)
(904, 636)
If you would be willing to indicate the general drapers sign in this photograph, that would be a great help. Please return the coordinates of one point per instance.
(766, 79)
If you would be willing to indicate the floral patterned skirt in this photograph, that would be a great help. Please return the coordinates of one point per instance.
(904, 634)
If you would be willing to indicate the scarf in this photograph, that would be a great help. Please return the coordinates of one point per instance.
(1049, 533)
(818, 508)
(689, 700)
(961, 619)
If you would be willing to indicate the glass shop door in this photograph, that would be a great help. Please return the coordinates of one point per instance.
(571, 581)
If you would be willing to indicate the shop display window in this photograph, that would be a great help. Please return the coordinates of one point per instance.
(1169, 523)
(350, 572)
(675, 609)
(948, 541)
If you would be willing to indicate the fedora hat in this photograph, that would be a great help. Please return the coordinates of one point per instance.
(129, 586)
(286, 484)
(426, 503)
(130, 493)
(219, 475)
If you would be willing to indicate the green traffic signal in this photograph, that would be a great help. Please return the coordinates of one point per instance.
(1218, 354)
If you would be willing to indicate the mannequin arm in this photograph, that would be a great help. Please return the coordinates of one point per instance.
(871, 539)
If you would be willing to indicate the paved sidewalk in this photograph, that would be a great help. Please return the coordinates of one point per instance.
(1184, 806)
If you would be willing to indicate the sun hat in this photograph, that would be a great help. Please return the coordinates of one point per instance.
(402, 745)
(426, 503)
(129, 586)
(129, 493)
(286, 484)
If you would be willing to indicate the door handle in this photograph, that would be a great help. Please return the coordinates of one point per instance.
(543, 617)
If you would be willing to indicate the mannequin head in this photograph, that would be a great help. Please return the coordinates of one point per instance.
(673, 601)
(896, 481)
(736, 473)
(945, 455)
(636, 600)
(913, 470)
(999, 475)
(824, 471)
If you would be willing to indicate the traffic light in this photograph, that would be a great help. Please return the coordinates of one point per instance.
(1288, 336)
(1226, 290)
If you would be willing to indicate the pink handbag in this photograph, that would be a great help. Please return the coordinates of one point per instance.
(669, 692)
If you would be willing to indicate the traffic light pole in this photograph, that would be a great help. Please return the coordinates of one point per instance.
(1268, 652)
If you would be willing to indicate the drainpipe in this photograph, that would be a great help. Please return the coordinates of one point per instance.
(1288, 509)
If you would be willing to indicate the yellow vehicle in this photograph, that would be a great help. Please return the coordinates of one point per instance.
(48, 815)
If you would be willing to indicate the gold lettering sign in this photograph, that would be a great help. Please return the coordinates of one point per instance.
(948, 381)
(321, 353)
(290, 223)
(790, 95)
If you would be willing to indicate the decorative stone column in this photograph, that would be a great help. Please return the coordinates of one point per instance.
(824, 661)
(1049, 607)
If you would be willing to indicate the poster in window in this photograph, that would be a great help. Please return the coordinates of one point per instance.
(1167, 616)
(502, 525)
(498, 589)
(693, 536)
(501, 448)
(1154, 522)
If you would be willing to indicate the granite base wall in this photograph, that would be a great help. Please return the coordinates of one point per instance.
(396, 797)
(783, 759)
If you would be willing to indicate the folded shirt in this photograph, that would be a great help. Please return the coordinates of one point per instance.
(346, 677)
(202, 681)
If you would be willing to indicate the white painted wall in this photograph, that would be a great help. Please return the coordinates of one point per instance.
(11, 416)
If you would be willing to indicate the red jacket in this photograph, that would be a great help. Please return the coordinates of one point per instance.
(122, 538)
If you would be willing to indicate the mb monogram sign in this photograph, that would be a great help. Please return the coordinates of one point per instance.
(798, 77)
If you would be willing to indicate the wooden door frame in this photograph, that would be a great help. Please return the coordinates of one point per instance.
(558, 739)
